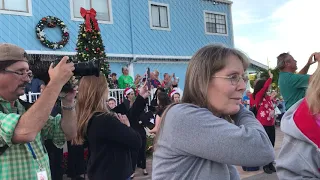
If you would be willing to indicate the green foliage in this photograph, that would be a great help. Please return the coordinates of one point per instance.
(90, 47)
(252, 83)
(275, 73)
(265, 75)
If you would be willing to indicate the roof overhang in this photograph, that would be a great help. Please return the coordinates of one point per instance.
(220, 1)
(224, 1)
(256, 63)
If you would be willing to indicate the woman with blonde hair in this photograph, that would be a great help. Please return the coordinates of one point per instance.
(209, 132)
(110, 137)
(299, 157)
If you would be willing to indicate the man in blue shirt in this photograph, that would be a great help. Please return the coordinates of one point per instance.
(35, 86)
(246, 99)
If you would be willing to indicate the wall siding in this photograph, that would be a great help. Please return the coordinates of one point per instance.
(130, 32)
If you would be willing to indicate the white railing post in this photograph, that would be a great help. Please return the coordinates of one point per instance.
(118, 94)
(30, 97)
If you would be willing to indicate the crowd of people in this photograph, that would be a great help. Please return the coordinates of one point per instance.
(125, 80)
(163, 96)
(268, 106)
(201, 134)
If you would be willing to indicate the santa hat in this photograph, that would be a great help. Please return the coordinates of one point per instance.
(173, 93)
(112, 98)
(127, 91)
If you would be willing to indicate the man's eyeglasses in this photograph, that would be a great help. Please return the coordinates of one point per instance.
(20, 73)
(234, 79)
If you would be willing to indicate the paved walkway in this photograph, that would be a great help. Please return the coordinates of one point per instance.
(256, 175)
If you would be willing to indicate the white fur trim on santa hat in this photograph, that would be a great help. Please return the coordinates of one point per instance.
(113, 98)
(173, 92)
(128, 91)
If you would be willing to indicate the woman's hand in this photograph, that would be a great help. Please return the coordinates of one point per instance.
(123, 119)
(144, 91)
(153, 131)
(270, 74)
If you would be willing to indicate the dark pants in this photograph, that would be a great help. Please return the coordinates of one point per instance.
(271, 131)
(55, 156)
(134, 158)
(280, 116)
(76, 164)
(141, 163)
(135, 152)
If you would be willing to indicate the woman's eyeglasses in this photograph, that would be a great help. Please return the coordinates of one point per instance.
(234, 79)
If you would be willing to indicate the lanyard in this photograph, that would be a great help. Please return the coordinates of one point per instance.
(34, 155)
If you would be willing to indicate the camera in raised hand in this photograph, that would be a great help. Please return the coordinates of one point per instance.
(85, 68)
(89, 68)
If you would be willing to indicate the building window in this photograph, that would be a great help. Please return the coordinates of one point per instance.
(215, 23)
(159, 16)
(102, 7)
(16, 7)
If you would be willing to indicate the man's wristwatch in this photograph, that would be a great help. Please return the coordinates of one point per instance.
(68, 108)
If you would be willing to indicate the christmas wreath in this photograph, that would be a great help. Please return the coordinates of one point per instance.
(52, 22)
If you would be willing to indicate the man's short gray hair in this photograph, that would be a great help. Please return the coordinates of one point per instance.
(124, 67)
(281, 60)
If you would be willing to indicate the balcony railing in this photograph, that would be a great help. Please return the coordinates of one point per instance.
(118, 94)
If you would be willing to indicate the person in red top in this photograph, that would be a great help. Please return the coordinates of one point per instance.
(265, 112)
(251, 100)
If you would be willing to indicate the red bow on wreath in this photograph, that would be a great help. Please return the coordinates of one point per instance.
(89, 15)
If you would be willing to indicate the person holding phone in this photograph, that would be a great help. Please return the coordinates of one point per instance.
(293, 86)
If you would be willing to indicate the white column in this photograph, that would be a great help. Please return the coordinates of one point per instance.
(131, 71)
(248, 83)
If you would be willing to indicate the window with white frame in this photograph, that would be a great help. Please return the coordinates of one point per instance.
(159, 16)
(215, 23)
(102, 7)
(17, 7)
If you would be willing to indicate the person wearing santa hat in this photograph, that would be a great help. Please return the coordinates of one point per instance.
(128, 91)
(129, 95)
(174, 96)
(127, 103)
(112, 102)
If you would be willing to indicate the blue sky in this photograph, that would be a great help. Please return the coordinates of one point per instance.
(265, 28)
